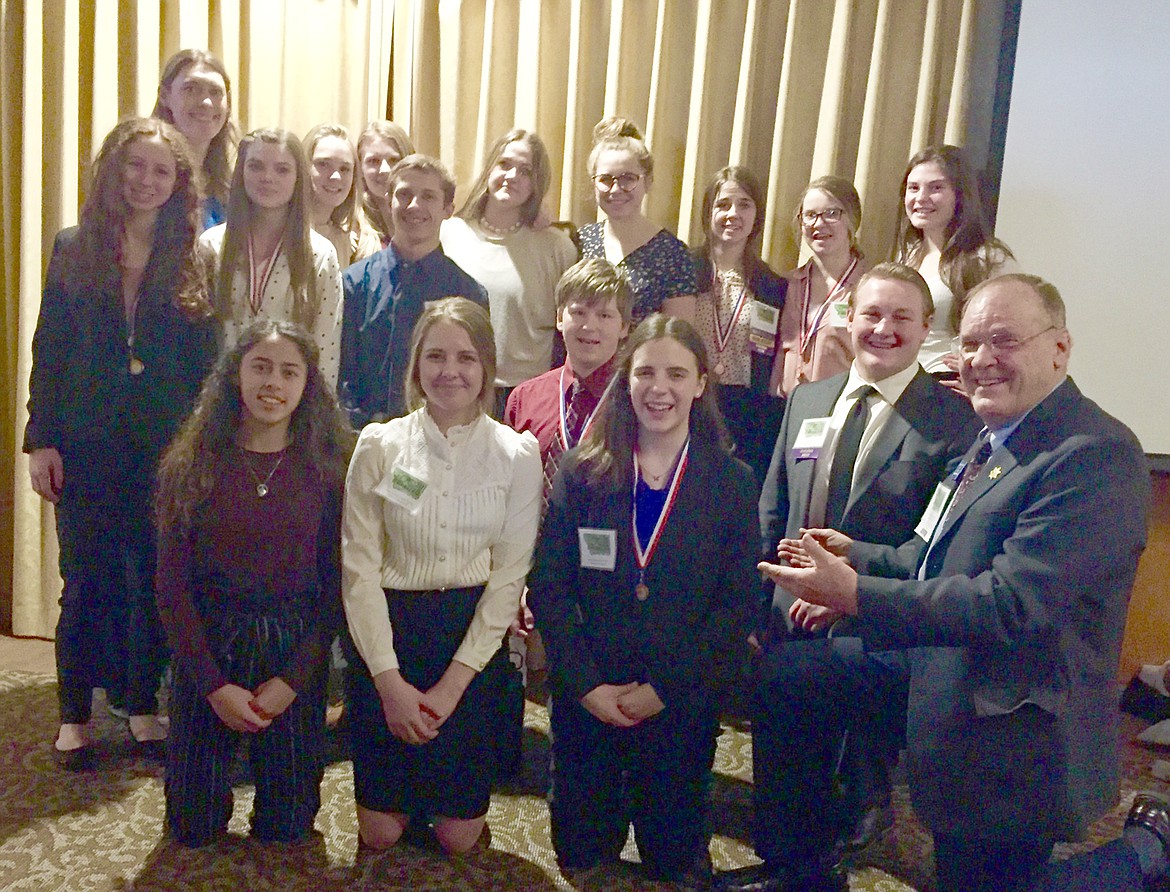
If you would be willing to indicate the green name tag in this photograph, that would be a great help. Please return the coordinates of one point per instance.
(407, 483)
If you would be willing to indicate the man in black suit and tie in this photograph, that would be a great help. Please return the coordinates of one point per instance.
(1004, 615)
(862, 452)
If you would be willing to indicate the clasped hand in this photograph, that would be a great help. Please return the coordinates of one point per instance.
(415, 716)
(251, 711)
(623, 705)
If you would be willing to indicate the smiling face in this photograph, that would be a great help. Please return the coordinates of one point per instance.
(272, 380)
(270, 175)
(887, 327)
(149, 174)
(332, 171)
(615, 202)
(733, 215)
(378, 158)
(1007, 381)
(929, 199)
(592, 330)
(198, 102)
(510, 182)
(417, 208)
(664, 383)
(450, 374)
(824, 237)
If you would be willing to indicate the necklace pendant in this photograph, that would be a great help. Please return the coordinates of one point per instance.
(261, 489)
(641, 591)
(136, 366)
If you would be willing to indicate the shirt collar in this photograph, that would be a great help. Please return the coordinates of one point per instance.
(891, 388)
(596, 380)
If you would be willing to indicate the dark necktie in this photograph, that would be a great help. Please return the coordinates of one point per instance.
(575, 412)
(845, 457)
(972, 468)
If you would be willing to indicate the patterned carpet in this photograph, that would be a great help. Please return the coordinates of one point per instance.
(103, 830)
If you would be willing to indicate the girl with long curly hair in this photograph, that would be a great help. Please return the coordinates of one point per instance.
(124, 339)
(249, 508)
(269, 263)
(625, 591)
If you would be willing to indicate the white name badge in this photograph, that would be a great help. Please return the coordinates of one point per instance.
(598, 548)
(764, 322)
(810, 439)
(403, 489)
(839, 313)
(934, 510)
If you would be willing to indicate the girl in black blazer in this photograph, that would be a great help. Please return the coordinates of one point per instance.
(122, 344)
(648, 534)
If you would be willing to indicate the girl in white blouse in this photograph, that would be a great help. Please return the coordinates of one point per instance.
(441, 511)
(269, 263)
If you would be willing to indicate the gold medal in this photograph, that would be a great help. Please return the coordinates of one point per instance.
(641, 591)
(136, 366)
(719, 370)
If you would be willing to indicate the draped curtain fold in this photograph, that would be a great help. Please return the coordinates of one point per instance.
(792, 89)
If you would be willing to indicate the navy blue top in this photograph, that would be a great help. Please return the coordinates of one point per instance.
(385, 295)
(659, 269)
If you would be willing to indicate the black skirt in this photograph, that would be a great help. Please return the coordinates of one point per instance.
(450, 776)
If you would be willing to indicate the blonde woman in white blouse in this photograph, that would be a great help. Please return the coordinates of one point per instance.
(269, 264)
(441, 511)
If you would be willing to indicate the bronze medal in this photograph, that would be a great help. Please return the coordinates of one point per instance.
(136, 366)
(719, 370)
(641, 591)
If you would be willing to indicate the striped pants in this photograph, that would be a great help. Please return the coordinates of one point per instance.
(287, 757)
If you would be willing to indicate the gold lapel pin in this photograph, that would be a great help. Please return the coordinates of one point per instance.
(994, 472)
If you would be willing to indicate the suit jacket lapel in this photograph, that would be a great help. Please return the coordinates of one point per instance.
(800, 482)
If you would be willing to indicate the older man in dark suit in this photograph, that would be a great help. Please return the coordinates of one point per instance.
(1004, 614)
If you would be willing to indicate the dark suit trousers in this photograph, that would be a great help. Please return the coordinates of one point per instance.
(1020, 864)
(808, 694)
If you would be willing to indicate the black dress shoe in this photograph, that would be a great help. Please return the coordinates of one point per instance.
(1151, 812)
(768, 878)
(77, 759)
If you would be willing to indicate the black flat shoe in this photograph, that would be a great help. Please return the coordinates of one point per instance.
(77, 759)
(151, 750)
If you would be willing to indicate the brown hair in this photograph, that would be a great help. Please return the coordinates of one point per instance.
(473, 319)
(217, 163)
(477, 199)
(295, 243)
(892, 271)
(606, 452)
(345, 215)
(318, 428)
(425, 164)
(105, 212)
(400, 140)
(594, 281)
(965, 262)
(746, 180)
(841, 191)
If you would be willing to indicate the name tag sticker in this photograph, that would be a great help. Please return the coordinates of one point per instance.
(934, 510)
(810, 439)
(403, 489)
(598, 548)
(839, 313)
(764, 322)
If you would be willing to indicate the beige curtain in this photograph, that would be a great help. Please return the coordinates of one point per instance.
(790, 88)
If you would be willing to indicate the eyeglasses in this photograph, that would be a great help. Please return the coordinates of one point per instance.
(829, 215)
(999, 343)
(625, 182)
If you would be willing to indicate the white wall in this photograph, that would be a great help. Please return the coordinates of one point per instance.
(1085, 197)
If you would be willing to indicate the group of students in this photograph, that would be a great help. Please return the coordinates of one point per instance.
(201, 363)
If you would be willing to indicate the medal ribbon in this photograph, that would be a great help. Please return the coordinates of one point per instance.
(259, 282)
(564, 417)
(722, 336)
(645, 556)
(807, 331)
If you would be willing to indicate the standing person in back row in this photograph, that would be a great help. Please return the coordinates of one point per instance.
(386, 294)
(658, 264)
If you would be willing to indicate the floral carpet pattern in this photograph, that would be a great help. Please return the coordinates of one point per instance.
(103, 830)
